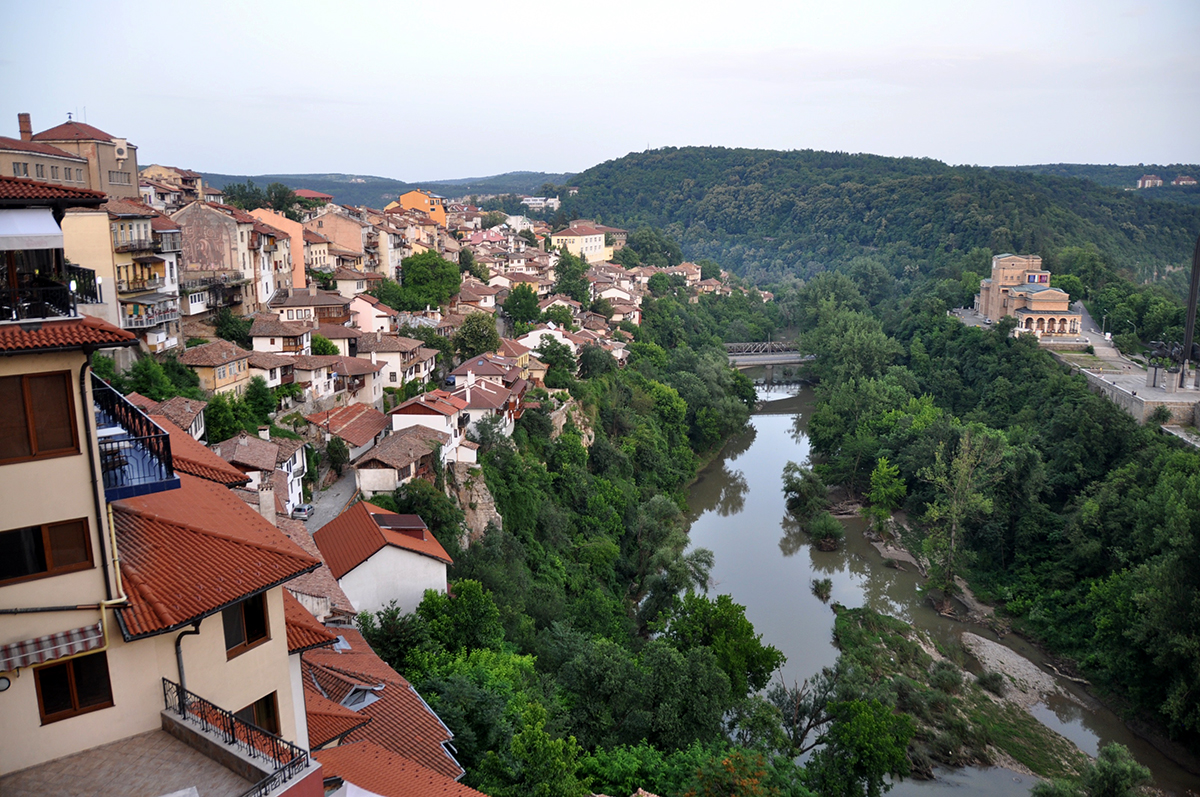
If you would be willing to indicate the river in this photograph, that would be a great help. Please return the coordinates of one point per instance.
(766, 564)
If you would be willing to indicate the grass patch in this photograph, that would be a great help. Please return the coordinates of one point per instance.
(1016, 732)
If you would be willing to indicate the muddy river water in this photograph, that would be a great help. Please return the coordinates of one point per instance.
(766, 564)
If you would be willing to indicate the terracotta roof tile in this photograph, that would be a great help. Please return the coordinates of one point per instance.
(72, 130)
(400, 449)
(305, 193)
(219, 352)
(304, 299)
(287, 447)
(73, 333)
(248, 451)
(438, 401)
(357, 424)
(21, 189)
(353, 274)
(304, 632)
(380, 771)
(382, 343)
(355, 536)
(191, 456)
(311, 237)
(268, 325)
(38, 148)
(338, 332)
(319, 582)
(327, 721)
(187, 553)
(182, 411)
(400, 720)
(266, 360)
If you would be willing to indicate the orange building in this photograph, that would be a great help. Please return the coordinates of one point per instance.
(420, 199)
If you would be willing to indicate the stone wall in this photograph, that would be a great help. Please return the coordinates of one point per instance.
(1183, 406)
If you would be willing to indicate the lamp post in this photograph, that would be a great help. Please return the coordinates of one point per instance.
(1127, 321)
(1104, 326)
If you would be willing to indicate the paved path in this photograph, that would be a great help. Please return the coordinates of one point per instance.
(329, 503)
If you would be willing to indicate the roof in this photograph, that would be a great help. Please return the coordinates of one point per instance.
(53, 335)
(401, 449)
(485, 365)
(304, 632)
(319, 582)
(381, 343)
(357, 424)
(72, 130)
(511, 348)
(210, 355)
(301, 297)
(305, 193)
(143, 403)
(248, 451)
(337, 332)
(400, 720)
(311, 237)
(266, 360)
(356, 366)
(484, 395)
(435, 401)
(188, 455)
(327, 721)
(380, 771)
(15, 188)
(182, 411)
(287, 448)
(161, 223)
(354, 274)
(268, 325)
(356, 535)
(128, 207)
(188, 553)
(37, 148)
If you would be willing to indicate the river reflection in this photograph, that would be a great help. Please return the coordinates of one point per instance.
(765, 562)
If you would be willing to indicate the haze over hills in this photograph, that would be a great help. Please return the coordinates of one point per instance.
(1126, 177)
(766, 214)
(353, 189)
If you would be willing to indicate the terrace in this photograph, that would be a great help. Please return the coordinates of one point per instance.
(135, 452)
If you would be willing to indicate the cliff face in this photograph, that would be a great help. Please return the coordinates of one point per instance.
(466, 483)
(575, 413)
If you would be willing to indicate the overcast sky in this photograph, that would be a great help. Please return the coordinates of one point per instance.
(432, 90)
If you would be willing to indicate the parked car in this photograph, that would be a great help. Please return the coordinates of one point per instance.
(302, 512)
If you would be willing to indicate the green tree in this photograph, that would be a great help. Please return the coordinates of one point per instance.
(557, 356)
(246, 196)
(864, 745)
(539, 765)
(147, 377)
(602, 306)
(476, 336)
(721, 625)
(560, 316)
(595, 361)
(887, 492)
(466, 619)
(259, 399)
(494, 218)
(805, 494)
(338, 453)
(570, 276)
(522, 304)
(469, 265)
(738, 773)
(1069, 283)
(709, 269)
(659, 284)
(1115, 773)
(440, 513)
(322, 345)
(233, 328)
(220, 422)
(654, 248)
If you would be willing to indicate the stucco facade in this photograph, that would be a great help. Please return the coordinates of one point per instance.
(1020, 287)
(393, 574)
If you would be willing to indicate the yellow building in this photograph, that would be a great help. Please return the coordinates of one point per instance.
(1020, 287)
(223, 367)
(420, 199)
(583, 240)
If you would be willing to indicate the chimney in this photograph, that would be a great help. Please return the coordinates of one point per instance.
(373, 357)
(264, 432)
(266, 498)
(25, 126)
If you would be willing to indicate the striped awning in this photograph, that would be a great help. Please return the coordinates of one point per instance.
(51, 647)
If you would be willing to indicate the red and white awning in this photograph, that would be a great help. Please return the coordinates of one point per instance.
(51, 647)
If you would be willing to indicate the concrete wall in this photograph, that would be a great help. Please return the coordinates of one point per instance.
(1139, 407)
(393, 574)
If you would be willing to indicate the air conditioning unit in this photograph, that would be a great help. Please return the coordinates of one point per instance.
(122, 148)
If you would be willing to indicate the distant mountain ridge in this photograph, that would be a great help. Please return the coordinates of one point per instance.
(372, 191)
(768, 214)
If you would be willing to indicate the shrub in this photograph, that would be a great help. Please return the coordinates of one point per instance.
(947, 677)
(822, 588)
(826, 531)
(993, 682)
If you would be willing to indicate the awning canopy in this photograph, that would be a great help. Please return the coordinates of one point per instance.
(51, 647)
(148, 259)
(29, 228)
(149, 298)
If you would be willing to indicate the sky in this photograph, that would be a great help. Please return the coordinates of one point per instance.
(428, 91)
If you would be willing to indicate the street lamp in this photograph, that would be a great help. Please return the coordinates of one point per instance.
(1104, 326)
(1127, 321)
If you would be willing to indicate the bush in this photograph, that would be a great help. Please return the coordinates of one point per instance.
(993, 682)
(947, 677)
(822, 588)
(826, 531)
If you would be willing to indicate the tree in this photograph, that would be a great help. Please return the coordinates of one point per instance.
(738, 773)
(540, 765)
(259, 399)
(557, 356)
(468, 265)
(887, 492)
(962, 484)
(654, 248)
(721, 625)
(595, 361)
(338, 453)
(709, 270)
(233, 328)
(602, 306)
(522, 304)
(441, 515)
(865, 744)
(560, 316)
(246, 196)
(220, 422)
(323, 345)
(570, 276)
(147, 377)
(805, 494)
(494, 218)
(1114, 774)
(659, 284)
(466, 619)
(476, 336)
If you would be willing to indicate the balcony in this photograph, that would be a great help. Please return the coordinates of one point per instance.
(139, 245)
(151, 284)
(147, 320)
(135, 453)
(85, 284)
(273, 763)
(37, 297)
(353, 384)
(292, 346)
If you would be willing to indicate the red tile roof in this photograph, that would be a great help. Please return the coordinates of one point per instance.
(356, 535)
(435, 401)
(210, 355)
(305, 193)
(357, 424)
(182, 410)
(188, 553)
(266, 360)
(191, 456)
(37, 148)
(400, 449)
(311, 237)
(304, 632)
(17, 188)
(319, 582)
(379, 771)
(400, 720)
(73, 131)
(53, 334)
(327, 721)
(268, 325)
(248, 451)
(337, 332)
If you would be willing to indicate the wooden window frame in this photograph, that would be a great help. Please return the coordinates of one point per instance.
(75, 710)
(271, 700)
(30, 428)
(51, 570)
(238, 648)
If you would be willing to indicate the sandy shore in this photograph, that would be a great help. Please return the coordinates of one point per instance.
(1027, 683)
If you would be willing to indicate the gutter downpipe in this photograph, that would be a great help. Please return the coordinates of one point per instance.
(87, 428)
(195, 629)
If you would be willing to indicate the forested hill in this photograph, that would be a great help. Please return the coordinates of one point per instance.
(376, 192)
(766, 214)
(1117, 176)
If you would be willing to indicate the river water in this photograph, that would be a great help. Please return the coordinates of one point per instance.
(766, 564)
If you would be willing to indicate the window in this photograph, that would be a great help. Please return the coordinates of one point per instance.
(290, 317)
(245, 625)
(221, 372)
(46, 550)
(53, 172)
(73, 687)
(263, 712)
(39, 417)
(392, 376)
(20, 169)
(119, 178)
(39, 170)
(79, 175)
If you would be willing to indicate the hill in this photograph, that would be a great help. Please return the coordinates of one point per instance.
(765, 214)
(1126, 177)
(352, 189)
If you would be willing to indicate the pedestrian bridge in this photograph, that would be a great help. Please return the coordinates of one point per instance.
(760, 353)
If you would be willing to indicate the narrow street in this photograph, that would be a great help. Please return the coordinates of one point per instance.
(329, 503)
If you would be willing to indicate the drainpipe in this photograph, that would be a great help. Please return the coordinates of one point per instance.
(195, 629)
(88, 411)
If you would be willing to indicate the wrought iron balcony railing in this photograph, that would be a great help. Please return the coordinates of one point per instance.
(282, 759)
(135, 453)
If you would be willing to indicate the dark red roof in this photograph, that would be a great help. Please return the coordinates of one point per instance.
(357, 424)
(191, 456)
(319, 582)
(17, 188)
(327, 721)
(304, 632)
(380, 771)
(188, 553)
(73, 131)
(37, 148)
(73, 333)
(357, 534)
(305, 193)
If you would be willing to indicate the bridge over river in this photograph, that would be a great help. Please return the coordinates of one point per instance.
(750, 355)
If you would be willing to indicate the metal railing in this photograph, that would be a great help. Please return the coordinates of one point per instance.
(135, 453)
(761, 347)
(37, 298)
(284, 759)
(141, 284)
(139, 245)
(85, 284)
(148, 319)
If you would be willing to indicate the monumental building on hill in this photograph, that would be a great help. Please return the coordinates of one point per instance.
(1020, 287)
